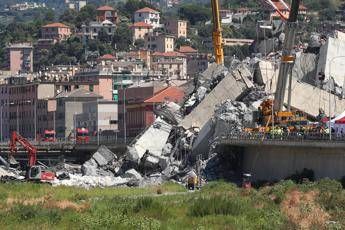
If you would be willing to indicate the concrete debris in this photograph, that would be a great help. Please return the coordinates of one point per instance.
(231, 117)
(304, 68)
(10, 174)
(133, 174)
(103, 156)
(201, 93)
(232, 86)
(91, 181)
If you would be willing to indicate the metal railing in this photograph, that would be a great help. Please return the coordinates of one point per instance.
(289, 137)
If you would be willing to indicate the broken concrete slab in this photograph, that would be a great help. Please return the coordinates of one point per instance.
(103, 156)
(133, 174)
(163, 162)
(331, 60)
(154, 139)
(151, 162)
(231, 87)
(89, 168)
(304, 96)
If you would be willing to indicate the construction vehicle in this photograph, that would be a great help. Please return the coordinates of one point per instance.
(272, 110)
(217, 33)
(82, 135)
(35, 172)
(49, 136)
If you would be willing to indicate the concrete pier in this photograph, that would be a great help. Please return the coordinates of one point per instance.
(275, 160)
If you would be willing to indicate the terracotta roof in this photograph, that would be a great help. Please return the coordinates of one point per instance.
(56, 24)
(141, 24)
(282, 7)
(168, 54)
(172, 94)
(104, 8)
(146, 10)
(187, 49)
(107, 57)
(302, 7)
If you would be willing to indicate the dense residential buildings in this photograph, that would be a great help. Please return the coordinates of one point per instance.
(159, 42)
(25, 6)
(93, 29)
(99, 116)
(56, 31)
(107, 13)
(69, 105)
(133, 116)
(20, 101)
(196, 62)
(21, 57)
(149, 16)
(140, 30)
(106, 23)
(176, 27)
(171, 64)
(76, 4)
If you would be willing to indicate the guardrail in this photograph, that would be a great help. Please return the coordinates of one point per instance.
(289, 137)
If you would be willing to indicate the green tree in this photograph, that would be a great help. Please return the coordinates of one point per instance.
(123, 37)
(129, 7)
(69, 16)
(139, 43)
(87, 14)
(194, 13)
(182, 41)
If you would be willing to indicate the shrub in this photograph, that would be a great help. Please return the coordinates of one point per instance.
(299, 177)
(342, 181)
(218, 206)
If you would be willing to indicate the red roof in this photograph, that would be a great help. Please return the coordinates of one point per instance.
(168, 54)
(56, 24)
(141, 24)
(172, 94)
(107, 57)
(105, 8)
(146, 10)
(340, 121)
(187, 49)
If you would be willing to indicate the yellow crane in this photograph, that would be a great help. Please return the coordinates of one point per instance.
(217, 33)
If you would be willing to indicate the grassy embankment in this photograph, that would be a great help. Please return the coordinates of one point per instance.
(218, 205)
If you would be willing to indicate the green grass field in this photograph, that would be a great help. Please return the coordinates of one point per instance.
(218, 205)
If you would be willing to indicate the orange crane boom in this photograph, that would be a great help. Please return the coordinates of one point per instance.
(217, 33)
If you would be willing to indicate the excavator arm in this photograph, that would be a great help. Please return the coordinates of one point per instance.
(32, 151)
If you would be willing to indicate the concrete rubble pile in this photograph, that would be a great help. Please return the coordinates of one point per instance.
(7, 173)
(98, 171)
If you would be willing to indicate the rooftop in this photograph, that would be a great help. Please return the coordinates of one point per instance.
(172, 94)
(107, 57)
(78, 93)
(105, 8)
(56, 24)
(141, 24)
(187, 49)
(146, 10)
(168, 54)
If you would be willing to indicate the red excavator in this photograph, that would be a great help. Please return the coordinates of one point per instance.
(35, 172)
